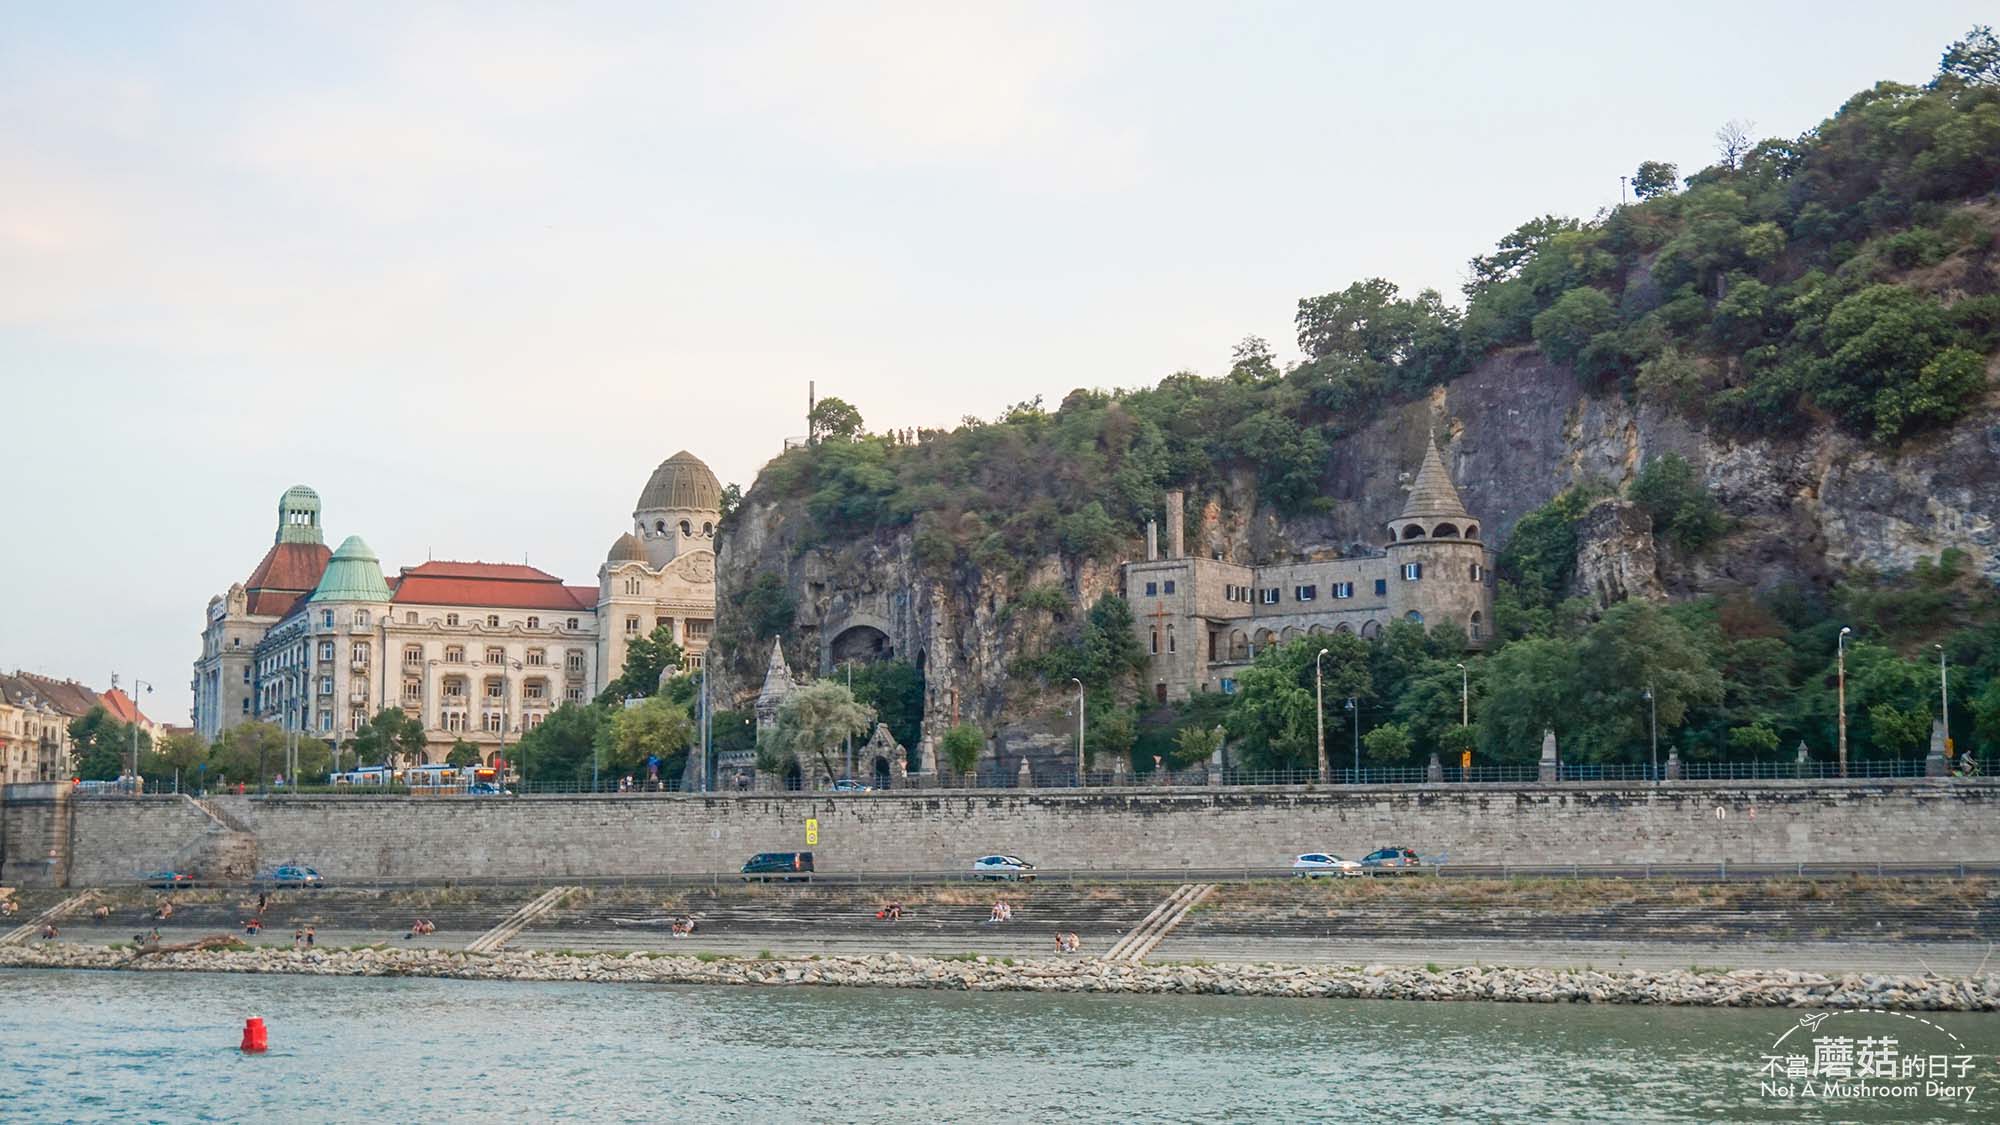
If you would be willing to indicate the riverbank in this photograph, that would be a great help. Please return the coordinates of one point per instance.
(1739, 988)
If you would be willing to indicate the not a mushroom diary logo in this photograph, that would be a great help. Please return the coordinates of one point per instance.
(1868, 1054)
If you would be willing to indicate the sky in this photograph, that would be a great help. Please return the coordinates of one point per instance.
(471, 271)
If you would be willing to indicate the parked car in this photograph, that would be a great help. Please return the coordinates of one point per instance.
(1009, 867)
(1390, 858)
(849, 785)
(778, 865)
(168, 880)
(294, 875)
(1315, 864)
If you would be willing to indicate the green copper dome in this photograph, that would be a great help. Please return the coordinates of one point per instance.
(298, 516)
(354, 574)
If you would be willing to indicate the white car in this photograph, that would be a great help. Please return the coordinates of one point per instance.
(1315, 864)
(1010, 867)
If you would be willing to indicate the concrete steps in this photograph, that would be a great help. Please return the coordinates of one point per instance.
(34, 926)
(227, 853)
(493, 939)
(1154, 929)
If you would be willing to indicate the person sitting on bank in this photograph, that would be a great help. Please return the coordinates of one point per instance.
(100, 915)
(9, 906)
(49, 932)
(252, 925)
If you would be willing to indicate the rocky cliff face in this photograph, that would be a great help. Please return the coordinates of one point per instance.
(1807, 502)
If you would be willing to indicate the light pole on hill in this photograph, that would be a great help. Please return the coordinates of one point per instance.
(1354, 708)
(1840, 647)
(1464, 697)
(135, 726)
(1944, 701)
(1079, 729)
(1319, 714)
(1653, 702)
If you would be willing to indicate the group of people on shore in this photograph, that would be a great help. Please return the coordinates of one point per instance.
(420, 927)
(683, 926)
(1001, 912)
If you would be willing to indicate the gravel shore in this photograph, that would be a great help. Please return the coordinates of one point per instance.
(1746, 988)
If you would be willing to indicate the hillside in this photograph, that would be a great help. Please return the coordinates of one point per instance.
(1766, 386)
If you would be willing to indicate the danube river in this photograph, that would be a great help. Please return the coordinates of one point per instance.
(96, 1046)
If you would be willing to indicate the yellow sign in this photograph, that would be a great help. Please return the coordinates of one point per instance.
(1465, 759)
(1950, 748)
(812, 830)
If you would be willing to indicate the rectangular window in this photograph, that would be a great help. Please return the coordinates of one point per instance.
(1170, 639)
(360, 654)
(495, 655)
(492, 621)
(1169, 587)
(1305, 593)
(493, 722)
(454, 720)
(326, 685)
(575, 661)
(663, 623)
(454, 654)
(1228, 686)
(493, 689)
(1156, 642)
(1152, 589)
(1343, 589)
(631, 626)
(572, 623)
(1475, 572)
(1412, 571)
(413, 690)
(537, 657)
(697, 628)
(410, 618)
(326, 650)
(326, 618)
(1271, 595)
(534, 622)
(412, 655)
(573, 694)
(534, 689)
(1381, 587)
(451, 619)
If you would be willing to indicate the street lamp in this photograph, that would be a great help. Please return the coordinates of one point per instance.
(1319, 713)
(850, 734)
(1653, 703)
(1944, 700)
(1079, 728)
(1840, 647)
(1354, 706)
(1464, 698)
(135, 727)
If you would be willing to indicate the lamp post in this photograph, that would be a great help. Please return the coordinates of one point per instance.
(1464, 697)
(1079, 729)
(850, 734)
(136, 681)
(1840, 648)
(1319, 713)
(506, 706)
(1653, 703)
(1944, 700)
(1354, 706)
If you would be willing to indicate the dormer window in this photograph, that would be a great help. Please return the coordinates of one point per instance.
(492, 621)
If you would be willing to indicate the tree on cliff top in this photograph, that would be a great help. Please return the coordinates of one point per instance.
(833, 419)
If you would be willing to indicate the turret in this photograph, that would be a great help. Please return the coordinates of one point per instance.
(678, 509)
(1440, 563)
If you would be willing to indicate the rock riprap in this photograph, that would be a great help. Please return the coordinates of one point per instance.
(1743, 988)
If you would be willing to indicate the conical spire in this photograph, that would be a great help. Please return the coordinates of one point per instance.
(1432, 495)
(354, 574)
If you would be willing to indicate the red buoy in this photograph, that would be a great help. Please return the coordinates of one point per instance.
(254, 1037)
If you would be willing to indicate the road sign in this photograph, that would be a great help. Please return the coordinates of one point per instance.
(1465, 759)
(812, 830)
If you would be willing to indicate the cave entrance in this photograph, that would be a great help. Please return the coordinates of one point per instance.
(863, 644)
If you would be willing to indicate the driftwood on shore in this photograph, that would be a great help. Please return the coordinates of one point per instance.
(212, 941)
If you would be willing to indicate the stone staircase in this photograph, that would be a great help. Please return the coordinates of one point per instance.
(1167, 916)
(493, 939)
(227, 852)
(34, 926)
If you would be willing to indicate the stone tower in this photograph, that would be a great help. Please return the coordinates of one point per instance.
(1440, 565)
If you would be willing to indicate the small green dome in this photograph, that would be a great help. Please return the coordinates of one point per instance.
(354, 574)
(298, 516)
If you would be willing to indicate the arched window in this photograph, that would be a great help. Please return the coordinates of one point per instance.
(1344, 628)
(707, 530)
(1170, 639)
(1239, 646)
(1472, 531)
(631, 585)
(1413, 615)
(1445, 531)
(1371, 629)
(1413, 531)
(687, 528)
(1316, 630)
(1156, 642)
(1472, 629)
(660, 526)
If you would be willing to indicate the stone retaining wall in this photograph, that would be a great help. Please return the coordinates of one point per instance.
(420, 838)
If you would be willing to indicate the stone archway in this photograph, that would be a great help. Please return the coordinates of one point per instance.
(862, 644)
(883, 776)
(791, 777)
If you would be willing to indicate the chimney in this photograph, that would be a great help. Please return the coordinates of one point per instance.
(1152, 541)
(1176, 545)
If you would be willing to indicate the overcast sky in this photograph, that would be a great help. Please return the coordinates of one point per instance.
(472, 271)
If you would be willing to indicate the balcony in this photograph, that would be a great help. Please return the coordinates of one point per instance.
(357, 665)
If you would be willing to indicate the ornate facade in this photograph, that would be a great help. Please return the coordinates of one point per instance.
(320, 641)
(1200, 620)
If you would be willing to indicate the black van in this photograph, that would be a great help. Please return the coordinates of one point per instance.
(778, 865)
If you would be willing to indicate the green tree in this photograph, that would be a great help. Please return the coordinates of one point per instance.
(654, 728)
(961, 747)
(895, 689)
(1252, 361)
(1530, 688)
(1274, 721)
(647, 658)
(175, 756)
(462, 753)
(561, 748)
(102, 746)
(1110, 732)
(813, 721)
(1567, 327)
(254, 753)
(1754, 741)
(1684, 512)
(1971, 61)
(1513, 252)
(1195, 744)
(1388, 744)
(1633, 648)
(390, 738)
(1654, 178)
(832, 419)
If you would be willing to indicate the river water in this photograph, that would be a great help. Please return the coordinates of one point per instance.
(96, 1046)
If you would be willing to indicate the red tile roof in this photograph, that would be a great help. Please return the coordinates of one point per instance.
(122, 708)
(288, 572)
(495, 585)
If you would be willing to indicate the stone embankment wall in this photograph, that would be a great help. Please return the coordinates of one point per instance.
(466, 838)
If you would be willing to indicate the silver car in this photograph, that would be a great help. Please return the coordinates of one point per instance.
(1312, 865)
(1009, 867)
